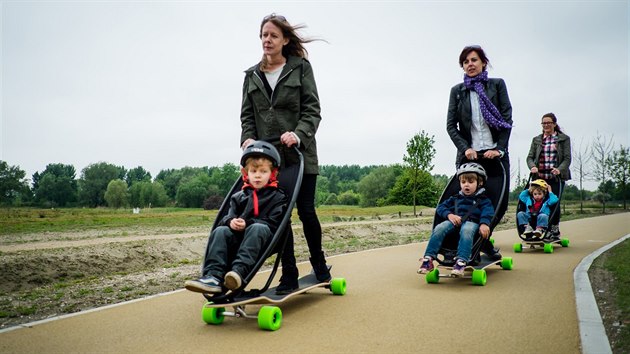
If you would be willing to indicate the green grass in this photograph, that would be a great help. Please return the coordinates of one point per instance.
(28, 220)
(617, 263)
(16, 221)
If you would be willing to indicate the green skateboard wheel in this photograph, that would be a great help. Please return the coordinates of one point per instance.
(564, 242)
(212, 315)
(433, 276)
(269, 318)
(338, 286)
(518, 248)
(548, 248)
(507, 263)
(479, 277)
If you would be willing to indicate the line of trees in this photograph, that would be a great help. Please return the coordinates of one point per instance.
(409, 183)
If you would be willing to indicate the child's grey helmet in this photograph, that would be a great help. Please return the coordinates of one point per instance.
(261, 148)
(472, 167)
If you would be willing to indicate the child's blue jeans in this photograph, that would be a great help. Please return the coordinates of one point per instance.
(467, 233)
(523, 217)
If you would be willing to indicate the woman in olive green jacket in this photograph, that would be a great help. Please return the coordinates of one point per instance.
(280, 99)
(549, 158)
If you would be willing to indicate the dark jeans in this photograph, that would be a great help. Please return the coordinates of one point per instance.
(244, 248)
(310, 223)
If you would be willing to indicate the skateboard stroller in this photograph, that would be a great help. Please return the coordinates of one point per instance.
(496, 186)
(269, 317)
(546, 242)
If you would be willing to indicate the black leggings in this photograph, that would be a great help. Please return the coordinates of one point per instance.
(310, 223)
(554, 219)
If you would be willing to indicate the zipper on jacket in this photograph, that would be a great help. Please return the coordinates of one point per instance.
(274, 91)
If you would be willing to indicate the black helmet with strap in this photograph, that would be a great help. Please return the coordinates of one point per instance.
(261, 148)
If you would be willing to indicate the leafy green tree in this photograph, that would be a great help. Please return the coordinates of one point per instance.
(440, 182)
(603, 195)
(116, 194)
(349, 198)
(619, 164)
(138, 174)
(147, 194)
(402, 193)
(94, 181)
(172, 179)
(56, 185)
(13, 187)
(375, 187)
(321, 191)
(332, 199)
(225, 177)
(420, 153)
(191, 194)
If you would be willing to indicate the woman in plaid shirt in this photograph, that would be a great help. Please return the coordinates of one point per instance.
(549, 158)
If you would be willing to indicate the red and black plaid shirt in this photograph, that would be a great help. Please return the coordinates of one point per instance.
(548, 156)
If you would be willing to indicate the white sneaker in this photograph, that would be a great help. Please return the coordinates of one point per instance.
(528, 230)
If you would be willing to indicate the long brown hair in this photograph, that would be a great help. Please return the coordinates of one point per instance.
(295, 47)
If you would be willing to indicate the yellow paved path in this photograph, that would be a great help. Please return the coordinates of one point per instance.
(388, 308)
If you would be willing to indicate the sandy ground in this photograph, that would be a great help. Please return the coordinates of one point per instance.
(388, 308)
(46, 275)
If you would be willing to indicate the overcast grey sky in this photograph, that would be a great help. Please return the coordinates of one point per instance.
(158, 84)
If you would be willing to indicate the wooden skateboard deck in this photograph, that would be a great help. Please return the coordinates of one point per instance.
(533, 243)
(269, 316)
(475, 272)
(305, 283)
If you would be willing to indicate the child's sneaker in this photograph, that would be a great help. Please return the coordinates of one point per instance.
(528, 230)
(539, 232)
(458, 268)
(233, 280)
(427, 265)
(205, 284)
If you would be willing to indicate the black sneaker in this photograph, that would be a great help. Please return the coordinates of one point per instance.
(493, 253)
(207, 284)
(321, 270)
(288, 281)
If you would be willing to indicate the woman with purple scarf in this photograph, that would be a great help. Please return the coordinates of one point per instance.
(479, 119)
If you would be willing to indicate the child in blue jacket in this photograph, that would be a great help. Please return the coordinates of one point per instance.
(537, 199)
(470, 210)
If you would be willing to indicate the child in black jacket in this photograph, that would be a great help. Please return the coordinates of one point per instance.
(256, 211)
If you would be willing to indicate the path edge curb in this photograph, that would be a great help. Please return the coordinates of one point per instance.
(593, 336)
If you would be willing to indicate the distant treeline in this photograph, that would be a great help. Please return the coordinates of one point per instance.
(106, 185)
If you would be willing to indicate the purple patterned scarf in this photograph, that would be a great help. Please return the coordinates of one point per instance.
(489, 112)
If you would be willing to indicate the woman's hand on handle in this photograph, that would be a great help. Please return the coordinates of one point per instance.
(555, 171)
(491, 154)
(246, 143)
(288, 139)
(534, 170)
(471, 154)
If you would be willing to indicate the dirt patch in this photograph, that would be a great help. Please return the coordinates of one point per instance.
(42, 276)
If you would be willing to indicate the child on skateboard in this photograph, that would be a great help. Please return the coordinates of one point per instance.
(255, 212)
(470, 211)
(537, 199)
